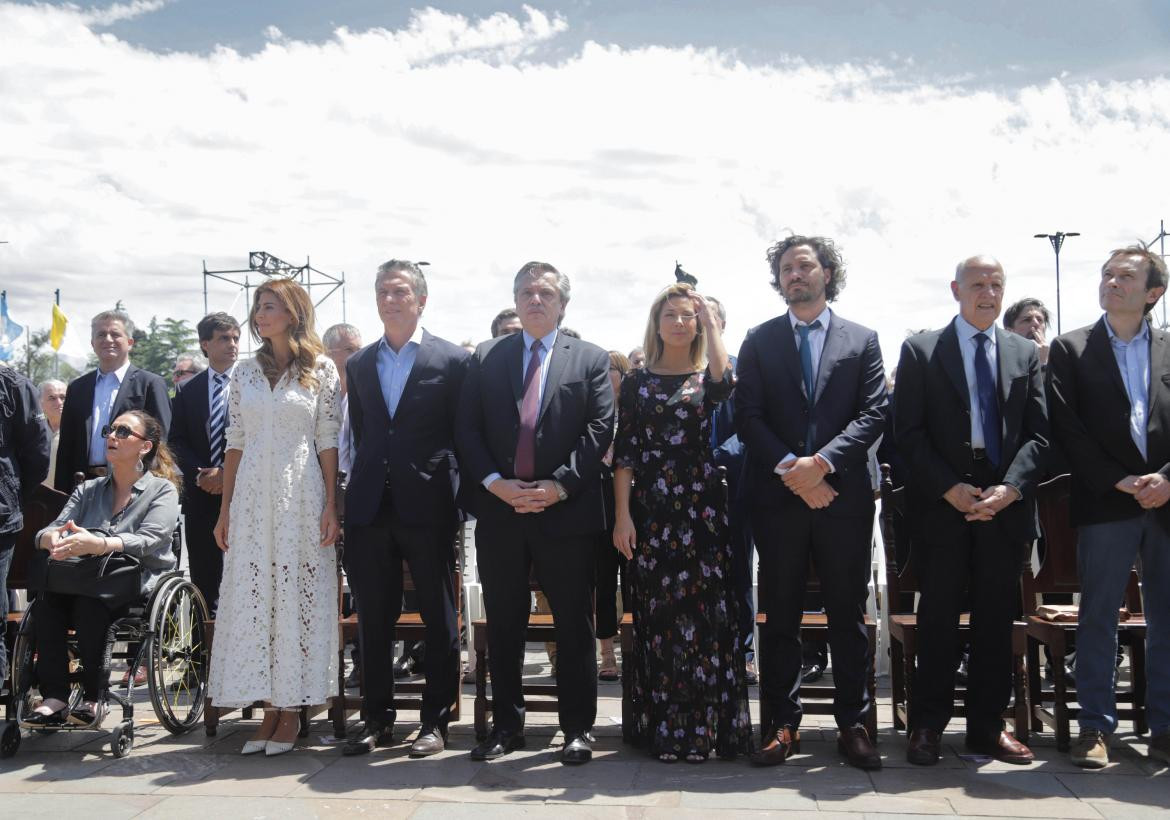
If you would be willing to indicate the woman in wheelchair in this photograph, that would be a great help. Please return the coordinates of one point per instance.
(131, 510)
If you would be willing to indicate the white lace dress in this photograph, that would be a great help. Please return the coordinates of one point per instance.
(276, 628)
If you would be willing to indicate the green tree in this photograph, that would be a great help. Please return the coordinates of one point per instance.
(156, 348)
(39, 362)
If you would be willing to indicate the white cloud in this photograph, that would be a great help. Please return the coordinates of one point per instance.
(117, 12)
(449, 140)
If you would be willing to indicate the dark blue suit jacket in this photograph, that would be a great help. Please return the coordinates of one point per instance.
(190, 409)
(413, 452)
(844, 418)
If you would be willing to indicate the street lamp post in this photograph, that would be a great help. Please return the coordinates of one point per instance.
(1057, 239)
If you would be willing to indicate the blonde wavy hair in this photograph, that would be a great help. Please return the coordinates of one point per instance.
(652, 345)
(303, 340)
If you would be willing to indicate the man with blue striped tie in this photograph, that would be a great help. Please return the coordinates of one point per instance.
(200, 421)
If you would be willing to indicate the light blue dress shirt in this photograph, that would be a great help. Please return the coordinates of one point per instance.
(1133, 360)
(105, 393)
(816, 343)
(968, 347)
(394, 368)
(546, 344)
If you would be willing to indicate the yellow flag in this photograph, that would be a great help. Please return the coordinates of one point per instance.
(57, 332)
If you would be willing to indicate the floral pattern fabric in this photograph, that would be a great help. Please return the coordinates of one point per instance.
(276, 628)
(686, 670)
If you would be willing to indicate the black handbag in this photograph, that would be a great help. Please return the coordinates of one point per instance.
(114, 578)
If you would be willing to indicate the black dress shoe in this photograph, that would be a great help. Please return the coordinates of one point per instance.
(578, 749)
(855, 745)
(431, 740)
(36, 720)
(404, 667)
(354, 679)
(372, 734)
(925, 747)
(811, 672)
(498, 744)
(87, 716)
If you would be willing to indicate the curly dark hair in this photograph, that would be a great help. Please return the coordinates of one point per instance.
(828, 255)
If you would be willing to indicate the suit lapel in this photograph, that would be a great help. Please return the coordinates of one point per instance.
(789, 355)
(514, 361)
(556, 368)
(1158, 365)
(1005, 371)
(952, 362)
(1098, 342)
(421, 359)
(368, 369)
(830, 353)
(88, 390)
(124, 391)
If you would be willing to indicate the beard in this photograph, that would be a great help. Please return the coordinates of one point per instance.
(808, 294)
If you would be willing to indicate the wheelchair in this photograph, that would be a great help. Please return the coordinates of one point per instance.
(166, 634)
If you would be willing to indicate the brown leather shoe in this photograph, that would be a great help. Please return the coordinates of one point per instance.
(782, 746)
(855, 745)
(925, 747)
(1005, 748)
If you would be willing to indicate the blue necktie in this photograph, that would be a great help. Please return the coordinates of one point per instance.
(806, 362)
(988, 404)
(217, 419)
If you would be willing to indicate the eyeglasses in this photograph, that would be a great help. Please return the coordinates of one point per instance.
(121, 431)
(184, 372)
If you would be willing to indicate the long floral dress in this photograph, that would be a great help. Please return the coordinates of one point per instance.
(276, 628)
(686, 670)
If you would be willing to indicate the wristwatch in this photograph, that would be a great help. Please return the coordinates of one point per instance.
(561, 494)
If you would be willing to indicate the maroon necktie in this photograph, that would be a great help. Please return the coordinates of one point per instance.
(529, 410)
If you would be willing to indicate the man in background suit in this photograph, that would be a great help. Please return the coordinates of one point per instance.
(199, 424)
(810, 402)
(1109, 393)
(96, 398)
(970, 420)
(531, 460)
(400, 504)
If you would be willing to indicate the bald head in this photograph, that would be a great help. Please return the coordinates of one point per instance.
(978, 288)
(980, 261)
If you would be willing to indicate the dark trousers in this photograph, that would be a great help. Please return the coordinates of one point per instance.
(204, 557)
(839, 549)
(90, 619)
(7, 542)
(975, 562)
(610, 565)
(373, 564)
(506, 551)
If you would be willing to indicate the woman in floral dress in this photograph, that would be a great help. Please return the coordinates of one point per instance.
(686, 669)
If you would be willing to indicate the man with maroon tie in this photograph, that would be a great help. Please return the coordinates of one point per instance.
(530, 460)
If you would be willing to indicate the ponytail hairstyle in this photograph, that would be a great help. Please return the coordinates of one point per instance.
(159, 460)
(302, 335)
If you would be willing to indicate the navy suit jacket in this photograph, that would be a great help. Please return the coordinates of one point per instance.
(190, 409)
(932, 425)
(844, 417)
(573, 432)
(413, 452)
(140, 390)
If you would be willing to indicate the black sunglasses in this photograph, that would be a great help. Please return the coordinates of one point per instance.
(121, 431)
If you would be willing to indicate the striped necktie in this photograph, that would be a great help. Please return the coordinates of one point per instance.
(217, 420)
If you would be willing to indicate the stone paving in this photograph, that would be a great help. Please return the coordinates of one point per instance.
(200, 777)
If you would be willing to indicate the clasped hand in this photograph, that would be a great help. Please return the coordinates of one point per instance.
(70, 541)
(525, 496)
(978, 504)
(806, 478)
(1151, 491)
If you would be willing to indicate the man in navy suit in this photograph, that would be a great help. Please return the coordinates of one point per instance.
(400, 504)
(198, 427)
(535, 420)
(98, 397)
(810, 402)
(972, 425)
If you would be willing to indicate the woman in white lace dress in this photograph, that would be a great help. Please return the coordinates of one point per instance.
(276, 628)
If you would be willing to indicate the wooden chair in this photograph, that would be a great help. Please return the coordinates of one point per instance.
(1058, 573)
(410, 628)
(903, 626)
(540, 629)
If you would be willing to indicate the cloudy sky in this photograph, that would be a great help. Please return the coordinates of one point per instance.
(609, 137)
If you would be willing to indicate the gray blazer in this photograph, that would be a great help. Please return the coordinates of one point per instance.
(145, 525)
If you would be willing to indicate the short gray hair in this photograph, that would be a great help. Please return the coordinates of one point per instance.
(198, 363)
(335, 333)
(412, 272)
(117, 314)
(720, 311)
(536, 270)
(983, 260)
(50, 383)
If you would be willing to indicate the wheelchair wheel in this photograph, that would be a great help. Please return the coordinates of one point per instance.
(26, 695)
(10, 741)
(177, 654)
(122, 740)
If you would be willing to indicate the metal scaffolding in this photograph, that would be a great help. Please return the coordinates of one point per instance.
(319, 284)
